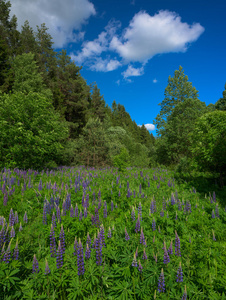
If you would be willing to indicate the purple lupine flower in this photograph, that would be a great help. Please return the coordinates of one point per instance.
(16, 251)
(72, 213)
(109, 232)
(80, 215)
(140, 268)
(59, 257)
(88, 240)
(35, 268)
(44, 217)
(40, 185)
(136, 252)
(16, 220)
(166, 258)
(85, 212)
(134, 262)
(75, 247)
(144, 255)
(5, 198)
(112, 206)
(64, 207)
(20, 228)
(119, 194)
(214, 197)
(88, 252)
(54, 220)
(184, 297)
(162, 213)
(96, 217)
(172, 199)
(126, 235)
(7, 254)
(133, 215)
(98, 250)
(213, 215)
(177, 245)
(180, 274)
(47, 269)
(140, 211)
(170, 250)
(76, 210)
(12, 232)
(62, 239)
(11, 218)
(102, 237)
(176, 216)
(179, 204)
(137, 227)
(161, 283)
(52, 241)
(25, 217)
(142, 238)
(214, 238)
(153, 225)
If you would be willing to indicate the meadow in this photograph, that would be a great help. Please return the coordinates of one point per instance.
(85, 233)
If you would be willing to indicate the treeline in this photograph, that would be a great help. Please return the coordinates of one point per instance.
(49, 115)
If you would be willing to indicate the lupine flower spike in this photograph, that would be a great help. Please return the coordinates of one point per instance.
(184, 297)
(214, 238)
(47, 269)
(35, 265)
(180, 274)
(126, 235)
(140, 268)
(134, 262)
(166, 259)
(161, 283)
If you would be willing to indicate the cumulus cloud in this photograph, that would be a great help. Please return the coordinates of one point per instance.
(148, 35)
(62, 18)
(150, 127)
(105, 65)
(91, 50)
(131, 71)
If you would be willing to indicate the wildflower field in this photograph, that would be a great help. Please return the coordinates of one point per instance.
(78, 233)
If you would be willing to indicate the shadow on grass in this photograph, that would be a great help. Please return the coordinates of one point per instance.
(204, 184)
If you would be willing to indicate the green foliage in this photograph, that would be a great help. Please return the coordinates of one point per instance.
(92, 146)
(122, 160)
(221, 103)
(209, 143)
(178, 90)
(31, 130)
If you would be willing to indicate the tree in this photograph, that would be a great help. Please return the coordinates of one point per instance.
(31, 130)
(209, 143)
(178, 90)
(221, 103)
(97, 104)
(92, 145)
(180, 124)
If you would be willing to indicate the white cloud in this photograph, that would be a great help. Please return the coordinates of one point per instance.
(105, 65)
(93, 49)
(61, 17)
(150, 127)
(148, 35)
(155, 80)
(131, 71)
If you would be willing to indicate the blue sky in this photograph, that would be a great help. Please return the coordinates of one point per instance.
(130, 47)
